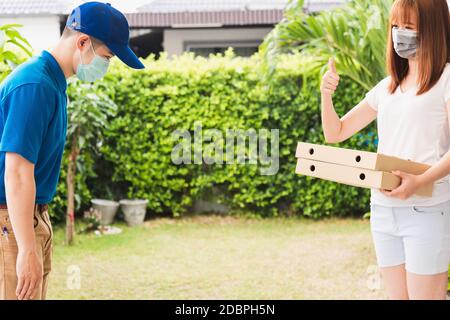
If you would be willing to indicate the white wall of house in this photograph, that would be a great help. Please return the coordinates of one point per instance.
(176, 39)
(41, 31)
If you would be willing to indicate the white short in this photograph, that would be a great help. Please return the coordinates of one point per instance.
(417, 236)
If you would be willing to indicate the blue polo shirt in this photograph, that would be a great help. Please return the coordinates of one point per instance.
(33, 121)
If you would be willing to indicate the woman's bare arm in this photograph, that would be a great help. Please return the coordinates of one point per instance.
(335, 129)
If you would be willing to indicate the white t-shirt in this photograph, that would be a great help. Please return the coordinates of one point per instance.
(415, 128)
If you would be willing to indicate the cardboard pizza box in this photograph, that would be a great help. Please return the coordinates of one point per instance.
(358, 177)
(358, 158)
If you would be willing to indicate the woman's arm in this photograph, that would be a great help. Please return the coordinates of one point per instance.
(337, 130)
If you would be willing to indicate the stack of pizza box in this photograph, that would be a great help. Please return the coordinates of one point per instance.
(356, 168)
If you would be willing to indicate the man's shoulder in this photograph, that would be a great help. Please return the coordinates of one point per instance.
(30, 75)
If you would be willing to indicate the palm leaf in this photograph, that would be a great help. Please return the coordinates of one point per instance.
(354, 35)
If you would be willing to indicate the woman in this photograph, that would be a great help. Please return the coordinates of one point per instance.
(411, 234)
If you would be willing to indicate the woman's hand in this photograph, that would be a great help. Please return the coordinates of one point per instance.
(408, 185)
(330, 80)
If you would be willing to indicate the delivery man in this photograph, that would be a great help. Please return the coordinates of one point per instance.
(33, 125)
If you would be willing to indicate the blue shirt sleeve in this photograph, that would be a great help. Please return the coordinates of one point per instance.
(27, 111)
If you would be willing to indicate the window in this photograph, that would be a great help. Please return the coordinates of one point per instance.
(241, 48)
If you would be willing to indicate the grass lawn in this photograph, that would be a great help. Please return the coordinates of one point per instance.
(219, 258)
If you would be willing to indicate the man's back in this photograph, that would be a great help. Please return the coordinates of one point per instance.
(33, 121)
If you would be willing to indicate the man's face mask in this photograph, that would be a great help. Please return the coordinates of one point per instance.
(94, 70)
(405, 42)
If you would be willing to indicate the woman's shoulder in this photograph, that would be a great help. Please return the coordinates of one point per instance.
(446, 72)
(445, 77)
(386, 80)
(384, 83)
(447, 69)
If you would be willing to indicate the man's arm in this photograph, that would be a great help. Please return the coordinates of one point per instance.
(26, 111)
(20, 191)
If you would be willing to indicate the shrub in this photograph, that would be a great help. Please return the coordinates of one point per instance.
(223, 92)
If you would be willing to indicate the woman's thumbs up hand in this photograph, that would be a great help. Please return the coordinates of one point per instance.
(330, 80)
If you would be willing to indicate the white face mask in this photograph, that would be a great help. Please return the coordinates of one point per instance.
(94, 70)
(405, 42)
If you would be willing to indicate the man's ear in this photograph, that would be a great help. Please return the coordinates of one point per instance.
(82, 41)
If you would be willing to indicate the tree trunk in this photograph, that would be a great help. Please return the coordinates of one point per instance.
(71, 174)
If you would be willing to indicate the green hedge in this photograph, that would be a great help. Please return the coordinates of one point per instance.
(223, 92)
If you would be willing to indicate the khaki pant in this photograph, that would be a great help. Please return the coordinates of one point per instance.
(8, 254)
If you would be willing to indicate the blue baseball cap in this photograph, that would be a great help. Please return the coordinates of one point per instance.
(108, 25)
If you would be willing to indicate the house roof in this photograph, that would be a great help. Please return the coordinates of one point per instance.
(30, 7)
(204, 19)
(178, 13)
(165, 6)
(321, 5)
(218, 13)
(36, 7)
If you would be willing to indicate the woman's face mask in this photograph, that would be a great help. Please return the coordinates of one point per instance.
(405, 42)
(94, 70)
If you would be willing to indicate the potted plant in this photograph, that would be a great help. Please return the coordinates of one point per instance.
(134, 210)
(107, 208)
